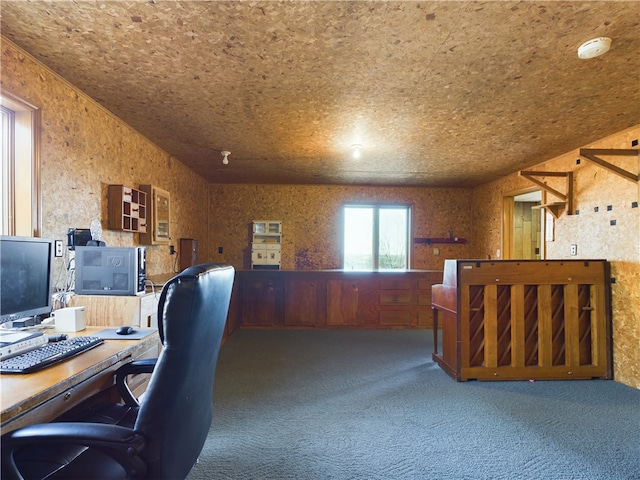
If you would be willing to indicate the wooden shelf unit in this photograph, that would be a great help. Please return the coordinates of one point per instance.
(127, 209)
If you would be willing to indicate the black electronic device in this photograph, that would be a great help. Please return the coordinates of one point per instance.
(125, 330)
(78, 237)
(26, 277)
(110, 270)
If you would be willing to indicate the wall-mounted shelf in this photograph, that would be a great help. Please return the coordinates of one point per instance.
(127, 209)
(431, 241)
(594, 155)
(555, 208)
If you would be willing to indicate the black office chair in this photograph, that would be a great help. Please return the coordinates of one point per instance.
(162, 438)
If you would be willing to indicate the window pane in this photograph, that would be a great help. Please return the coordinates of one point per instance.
(6, 184)
(358, 238)
(392, 246)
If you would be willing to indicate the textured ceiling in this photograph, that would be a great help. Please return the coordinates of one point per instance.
(448, 93)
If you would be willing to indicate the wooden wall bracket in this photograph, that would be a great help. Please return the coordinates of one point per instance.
(554, 208)
(594, 154)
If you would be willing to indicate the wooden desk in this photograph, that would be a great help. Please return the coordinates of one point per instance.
(42, 396)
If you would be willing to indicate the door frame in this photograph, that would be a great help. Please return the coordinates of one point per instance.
(507, 232)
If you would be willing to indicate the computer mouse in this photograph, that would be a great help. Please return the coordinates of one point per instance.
(124, 330)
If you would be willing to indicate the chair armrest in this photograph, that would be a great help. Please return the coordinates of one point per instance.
(120, 443)
(143, 365)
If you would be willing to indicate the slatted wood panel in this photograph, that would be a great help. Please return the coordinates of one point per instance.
(531, 320)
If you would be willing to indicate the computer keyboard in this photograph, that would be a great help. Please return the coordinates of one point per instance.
(48, 355)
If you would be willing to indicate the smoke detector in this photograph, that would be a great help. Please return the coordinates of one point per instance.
(594, 47)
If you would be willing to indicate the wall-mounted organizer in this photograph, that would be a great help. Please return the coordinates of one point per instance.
(127, 209)
(266, 244)
(158, 216)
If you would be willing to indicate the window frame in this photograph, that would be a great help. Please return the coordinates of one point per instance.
(21, 182)
(377, 206)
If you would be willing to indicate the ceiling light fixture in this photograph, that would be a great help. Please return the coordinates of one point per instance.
(225, 154)
(594, 47)
(356, 150)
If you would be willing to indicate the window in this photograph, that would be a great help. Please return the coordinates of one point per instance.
(376, 237)
(19, 188)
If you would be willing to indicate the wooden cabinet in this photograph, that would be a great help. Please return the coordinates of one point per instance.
(261, 300)
(342, 302)
(302, 303)
(158, 231)
(266, 244)
(335, 299)
(127, 209)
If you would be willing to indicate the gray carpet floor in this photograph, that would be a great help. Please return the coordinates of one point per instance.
(347, 404)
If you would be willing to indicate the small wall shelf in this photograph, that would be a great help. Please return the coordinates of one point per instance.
(431, 241)
(554, 208)
(127, 209)
(594, 156)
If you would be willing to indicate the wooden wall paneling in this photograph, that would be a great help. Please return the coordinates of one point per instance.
(572, 331)
(544, 330)
(518, 326)
(465, 332)
(490, 338)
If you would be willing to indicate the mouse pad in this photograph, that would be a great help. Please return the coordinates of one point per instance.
(110, 334)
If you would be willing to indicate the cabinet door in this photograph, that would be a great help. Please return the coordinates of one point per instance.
(342, 302)
(157, 223)
(260, 301)
(301, 303)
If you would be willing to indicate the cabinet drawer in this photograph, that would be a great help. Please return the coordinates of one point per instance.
(395, 317)
(395, 299)
(395, 284)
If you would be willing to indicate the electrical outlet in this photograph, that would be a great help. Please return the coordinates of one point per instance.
(172, 250)
(574, 249)
(59, 247)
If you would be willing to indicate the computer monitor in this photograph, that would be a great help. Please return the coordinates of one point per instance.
(26, 277)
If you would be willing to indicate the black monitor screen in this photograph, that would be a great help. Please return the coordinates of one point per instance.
(25, 277)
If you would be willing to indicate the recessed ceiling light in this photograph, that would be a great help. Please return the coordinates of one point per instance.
(356, 150)
(594, 47)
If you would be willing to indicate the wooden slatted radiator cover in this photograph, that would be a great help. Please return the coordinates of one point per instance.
(524, 319)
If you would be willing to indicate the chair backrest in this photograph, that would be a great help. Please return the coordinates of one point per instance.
(176, 412)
